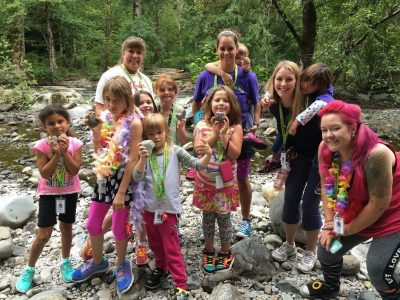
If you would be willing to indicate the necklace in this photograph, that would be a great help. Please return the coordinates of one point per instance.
(337, 184)
(158, 177)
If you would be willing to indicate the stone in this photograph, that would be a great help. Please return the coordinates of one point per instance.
(273, 240)
(15, 210)
(351, 265)
(258, 199)
(6, 242)
(56, 294)
(226, 291)
(288, 286)
(268, 192)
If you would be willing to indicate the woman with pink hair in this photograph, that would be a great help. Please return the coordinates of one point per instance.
(360, 176)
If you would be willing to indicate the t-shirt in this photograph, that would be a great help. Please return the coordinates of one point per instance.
(245, 89)
(137, 82)
(60, 181)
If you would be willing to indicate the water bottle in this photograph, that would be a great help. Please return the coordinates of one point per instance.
(281, 177)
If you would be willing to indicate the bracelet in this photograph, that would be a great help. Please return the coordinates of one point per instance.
(327, 228)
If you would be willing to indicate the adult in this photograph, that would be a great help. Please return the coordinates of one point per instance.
(133, 50)
(303, 177)
(245, 87)
(360, 177)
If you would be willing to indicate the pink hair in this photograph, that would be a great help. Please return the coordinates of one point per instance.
(364, 139)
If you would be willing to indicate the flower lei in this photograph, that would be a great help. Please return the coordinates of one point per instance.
(337, 184)
(114, 145)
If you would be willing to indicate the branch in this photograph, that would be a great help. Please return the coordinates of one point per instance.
(286, 20)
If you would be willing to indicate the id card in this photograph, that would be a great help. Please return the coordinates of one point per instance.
(338, 224)
(283, 158)
(60, 205)
(158, 216)
(101, 183)
(219, 183)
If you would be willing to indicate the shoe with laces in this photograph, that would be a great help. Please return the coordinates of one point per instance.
(255, 141)
(124, 277)
(156, 278)
(86, 251)
(66, 270)
(181, 294)
(307, 263)
(191, 174)
(209, 261)
(244, 229)
(224, 261)
(24, 281)
(88, 269)
(142, 257)
(283, 252)
(318, 289)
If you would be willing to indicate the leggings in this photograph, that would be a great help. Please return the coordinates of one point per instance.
(224, 225)
(98, 211)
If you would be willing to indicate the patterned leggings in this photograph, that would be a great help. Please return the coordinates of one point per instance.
(224, 225)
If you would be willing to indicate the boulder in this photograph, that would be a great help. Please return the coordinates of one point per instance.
(268, 191)
(226, 291)
(56, 294)
(6, 243)
(15, 210)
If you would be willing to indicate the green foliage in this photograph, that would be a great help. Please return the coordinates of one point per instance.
(197, 66)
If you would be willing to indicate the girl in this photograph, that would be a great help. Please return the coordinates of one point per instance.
(58, 158)
(144, 100)
(115, 140)
(161, 175)
(216, 193)
(167, 90)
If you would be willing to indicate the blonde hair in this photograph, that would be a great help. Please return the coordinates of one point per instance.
(156, 122)
(119, 87)
(242, 49)
(165, 78)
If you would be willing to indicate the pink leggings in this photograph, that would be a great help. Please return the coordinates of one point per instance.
(98, 211)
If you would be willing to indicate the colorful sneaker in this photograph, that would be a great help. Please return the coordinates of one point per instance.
(318, 289)
(270, 166)
(156, 278)
(24, 281)
(224, 261)
(255, 141)
(284, 251)
(142, 257)
(181, 294)
(244, 229)
(66, 270)
(191, 174)
(307, 263)
(88, 269)
(209, 261)
(86, 251)
(124, 277)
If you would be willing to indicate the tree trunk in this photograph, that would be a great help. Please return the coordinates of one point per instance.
(50, 42)
(137, 8)
(308, 37)
(18, 40)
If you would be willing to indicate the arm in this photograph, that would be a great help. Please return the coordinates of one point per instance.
(72, 163)
(257, 113)
(235, 143)
(138, 171)
(188, 160)
(214, 68)
(195, 107)
(180, 129)
(379, 178)
(246, 64)
(46, 166)
(306, 115)
(99, 108)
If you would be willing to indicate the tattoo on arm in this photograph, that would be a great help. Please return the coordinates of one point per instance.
(378, 173)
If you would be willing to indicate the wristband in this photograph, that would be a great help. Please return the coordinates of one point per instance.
(327, 228)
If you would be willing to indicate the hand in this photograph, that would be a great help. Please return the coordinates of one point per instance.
(325, 238)
(143, 153)
(181, 124)
(266, 102)
(246, 64)
(293, 127)
(254, 128)
(216, 125)
(63, 142)
(225, 126)
(55, 148)
(202, 147)
(119, 201)
(227, 79)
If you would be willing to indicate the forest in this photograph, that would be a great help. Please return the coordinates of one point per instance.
(44, 41)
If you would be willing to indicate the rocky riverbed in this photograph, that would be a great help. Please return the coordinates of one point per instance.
(254, 276)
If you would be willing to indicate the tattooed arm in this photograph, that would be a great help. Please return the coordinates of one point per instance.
(379, 178)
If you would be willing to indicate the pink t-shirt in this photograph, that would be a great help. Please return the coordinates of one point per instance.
(60, 181)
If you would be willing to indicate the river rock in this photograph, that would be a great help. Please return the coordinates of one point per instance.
(56, 294)
(268, 192)
(15, 210)
(226, 291)
(351, 265)
(6, 242)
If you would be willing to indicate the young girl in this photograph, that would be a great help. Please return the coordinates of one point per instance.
(216, 189)
(161, 175)
(167, 90)
(115, 140)
(58, 158)
(144, 100)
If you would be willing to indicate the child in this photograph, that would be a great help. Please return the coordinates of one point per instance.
(115, 140)
(161, 175)
(166, 90)
(58, 158)
(144, 100)
(216, 194)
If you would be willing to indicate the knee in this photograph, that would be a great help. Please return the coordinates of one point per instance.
(119, 233)
(65, 228)
(94, 228)
(44, 235)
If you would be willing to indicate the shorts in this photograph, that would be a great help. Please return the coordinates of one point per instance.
(243, 168)
(246, 152)
(47, 210)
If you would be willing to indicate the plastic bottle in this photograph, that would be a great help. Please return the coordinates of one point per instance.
(281, 177)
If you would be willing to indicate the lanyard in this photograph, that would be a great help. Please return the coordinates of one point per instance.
(234, 83)
(141, 81)
(158, 179)
(284, 129)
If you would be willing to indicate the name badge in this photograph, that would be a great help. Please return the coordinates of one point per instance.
(102, 183)
(338, 224)
(283, 158)
(60, 205)
(219, 183)
(158, 216)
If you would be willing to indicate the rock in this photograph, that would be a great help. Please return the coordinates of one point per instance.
(211, 281)
(56, 294)
(289, 286)
(193, 282)
(268, 192)
(258, 199)
(273, 240)
(15, 210)
(351, 265)
(6, 243)
(366, 295)
(6, 107)
(225, 291)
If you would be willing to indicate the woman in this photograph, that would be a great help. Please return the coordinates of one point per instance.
(245, 87)
(133, 50)
(360, 177)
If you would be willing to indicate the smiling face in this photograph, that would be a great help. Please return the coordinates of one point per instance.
(309, 87)
(336, 134)
(116, 106)
(285, 84)
(132, 59)
(167, 94)
(227, 50)
(146, 104)
(56, 124)
(220, 102)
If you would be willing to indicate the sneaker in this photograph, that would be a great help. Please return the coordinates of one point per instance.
(284, 251)
(191, 174)
(142, 257)
(156, 278)
(308, 262)
(88, 269)
(87, 250)
(224, 261)
(209, 261)
(318, 289)
(255, 141)
(244, 229)
(24, 281)
(66, 270)
(181, 294)
(270, 166)
(124, 277)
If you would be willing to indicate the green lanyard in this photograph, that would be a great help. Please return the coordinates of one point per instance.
(158, 179)
(284, 129)
(130, 78)
(220, 150)
(234, 83)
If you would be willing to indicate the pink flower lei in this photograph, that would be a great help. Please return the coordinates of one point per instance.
(337, 184)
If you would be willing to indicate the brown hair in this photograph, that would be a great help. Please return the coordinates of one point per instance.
(228, 33)
(235, 112)
(164, 78)
(156, 122)
(319, 74)
(119, 87)
(55, 109)
(136, 99)
(133, 42)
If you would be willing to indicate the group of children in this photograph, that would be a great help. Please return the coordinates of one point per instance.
(137, 163)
